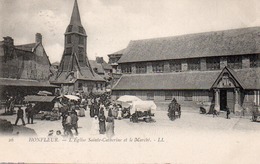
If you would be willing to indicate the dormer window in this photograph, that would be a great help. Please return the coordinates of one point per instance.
(70, 28)
(81, 30)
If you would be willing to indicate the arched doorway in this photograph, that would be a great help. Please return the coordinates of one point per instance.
(227, 91)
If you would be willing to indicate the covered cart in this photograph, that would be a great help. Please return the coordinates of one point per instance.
(125, 102)
(43, 107)
(142, 110)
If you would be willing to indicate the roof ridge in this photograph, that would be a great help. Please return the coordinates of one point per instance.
(199, 33)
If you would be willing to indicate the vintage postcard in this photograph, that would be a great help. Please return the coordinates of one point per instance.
(120, 81)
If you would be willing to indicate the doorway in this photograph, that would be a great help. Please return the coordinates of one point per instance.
(223, 99)
(227, 99)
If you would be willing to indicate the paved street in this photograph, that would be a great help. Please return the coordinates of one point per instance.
(190, 120)
(194, 138)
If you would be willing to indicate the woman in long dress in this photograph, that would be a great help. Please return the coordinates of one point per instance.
(102, 122)
(110, 125)
(95, 126)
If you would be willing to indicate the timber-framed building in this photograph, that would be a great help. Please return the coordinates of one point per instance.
(221, 67)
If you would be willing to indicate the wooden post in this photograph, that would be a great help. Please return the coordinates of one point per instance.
(217, 105)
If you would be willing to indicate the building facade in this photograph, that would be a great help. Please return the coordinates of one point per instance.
(75, 72)
(24, 69)
(221, 67)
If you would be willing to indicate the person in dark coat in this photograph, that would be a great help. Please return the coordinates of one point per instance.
(19, 116)
(102, 122)
(110, 125)
(92, 111)
(74, 121)
(30, 112)
(228, 112)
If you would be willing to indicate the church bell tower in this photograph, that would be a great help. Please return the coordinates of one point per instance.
(75, 43)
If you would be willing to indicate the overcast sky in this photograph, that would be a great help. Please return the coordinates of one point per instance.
(111, 24)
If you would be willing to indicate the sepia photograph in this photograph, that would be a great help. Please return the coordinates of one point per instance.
(129, 81)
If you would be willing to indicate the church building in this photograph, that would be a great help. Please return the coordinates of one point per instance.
(75, 72)
(221, 68)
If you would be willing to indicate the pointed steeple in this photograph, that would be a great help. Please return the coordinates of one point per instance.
(75, 16)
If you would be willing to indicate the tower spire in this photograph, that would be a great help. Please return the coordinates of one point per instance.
(75, 16)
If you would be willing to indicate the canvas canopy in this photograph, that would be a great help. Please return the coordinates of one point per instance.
(142, 106)
(33, 98)
(71, 97)
(128, 98)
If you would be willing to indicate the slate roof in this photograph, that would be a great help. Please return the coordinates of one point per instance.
(24, 82)
(118, 52)
(96, 65)
(26, 47)
(85, 74)
(105, 65)
(208, 44)
(184, 80)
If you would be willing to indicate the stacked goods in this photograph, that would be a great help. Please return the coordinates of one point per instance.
(6, 127)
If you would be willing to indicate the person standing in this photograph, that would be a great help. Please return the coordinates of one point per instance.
(102, 122)
(74, 121)
(29, 112)
(110, 125)
(95, 126)
(20, 115)
(68, 126)
(119, 116)
(228, 112)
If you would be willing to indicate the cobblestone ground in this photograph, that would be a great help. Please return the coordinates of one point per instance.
(194, 138)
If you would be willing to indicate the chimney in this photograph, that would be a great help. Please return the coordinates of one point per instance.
(99, 60)
(8, 45)
(8, 41)
(38, 38)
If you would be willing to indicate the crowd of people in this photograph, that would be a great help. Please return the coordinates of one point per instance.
(102, 111)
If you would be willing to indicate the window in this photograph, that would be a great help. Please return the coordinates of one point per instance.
(80, 86)
(194, 64)
(158, 67)
(168, 95)
(234, 62)
(213, 63)
(101, 86)
(126, 68)
(150, 96)
(70, 28)
(175, 66)
(141, 68)
(81, 30)
(81, 40)
(68, 50)
(254, 61)
(69, 39)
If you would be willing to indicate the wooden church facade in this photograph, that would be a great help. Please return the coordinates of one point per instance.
(75, 72)
(222, 68)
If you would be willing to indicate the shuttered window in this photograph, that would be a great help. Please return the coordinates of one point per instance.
(140, 68)
(234, 62)
(213, 63)
(175, 66)
(194, 64)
